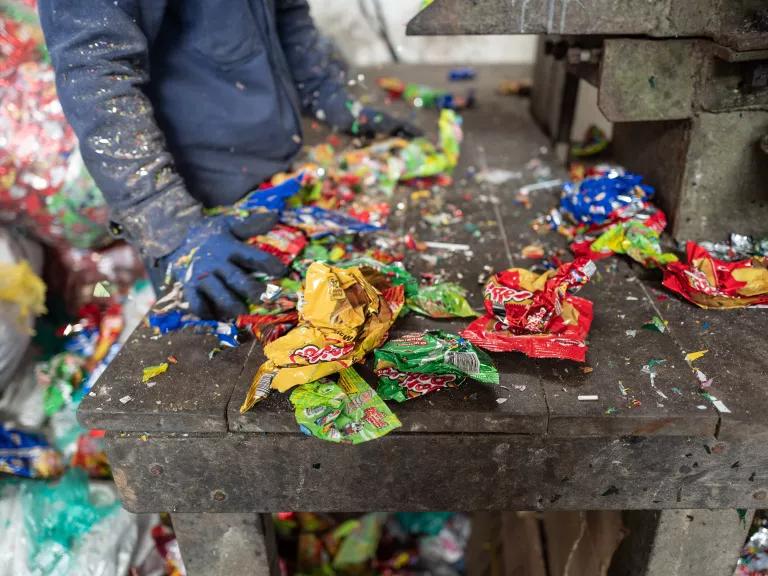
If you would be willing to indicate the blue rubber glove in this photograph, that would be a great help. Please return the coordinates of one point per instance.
(372, 122)
(217, 278)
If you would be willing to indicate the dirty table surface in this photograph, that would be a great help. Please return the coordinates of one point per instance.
(536, 407)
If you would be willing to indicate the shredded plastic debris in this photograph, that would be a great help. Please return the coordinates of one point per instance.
(151, 371)
(656, 324)
(693, 356)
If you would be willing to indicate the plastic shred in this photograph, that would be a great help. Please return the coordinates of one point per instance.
(151, 371)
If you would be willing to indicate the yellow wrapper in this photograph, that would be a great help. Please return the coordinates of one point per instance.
(21, 286)
(343, 317)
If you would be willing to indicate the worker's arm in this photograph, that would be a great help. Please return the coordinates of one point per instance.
(320, 80)
(101, 59)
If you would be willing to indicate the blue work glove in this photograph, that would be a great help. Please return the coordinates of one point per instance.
(371, 122)
(215, 266)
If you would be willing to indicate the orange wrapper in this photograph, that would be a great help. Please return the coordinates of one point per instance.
(341, 319)
(712, 283)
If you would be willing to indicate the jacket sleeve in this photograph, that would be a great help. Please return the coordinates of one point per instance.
(100, 55)
(319, 78)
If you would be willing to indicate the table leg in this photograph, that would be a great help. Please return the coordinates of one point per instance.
(680, 543)
(225, 544)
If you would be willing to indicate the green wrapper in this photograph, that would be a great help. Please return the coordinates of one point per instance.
(636, 241)
(445, 300)
(418, 363)
(348, 412)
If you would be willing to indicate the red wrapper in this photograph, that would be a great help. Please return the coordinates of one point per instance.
(530, 303)
(712, 283)
(583, 250)
(566, 341)
(267, 328)
(282, 241)
(536, 314)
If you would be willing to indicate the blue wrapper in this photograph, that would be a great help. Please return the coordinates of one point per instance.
(317, 222)
(594, 200)
(83, 343)
(458, 74)
(27, 454)
(177, 320)
(272, 198)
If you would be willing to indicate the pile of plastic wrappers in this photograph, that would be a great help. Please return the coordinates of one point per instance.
(753, 560)
(608, 211)
(377, 543)
(58, 504)
(43, 182)
(348, 286)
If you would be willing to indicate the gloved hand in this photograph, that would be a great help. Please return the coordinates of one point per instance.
(214, 264)
(371, 122)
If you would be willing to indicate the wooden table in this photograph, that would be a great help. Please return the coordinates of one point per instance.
(529, 444)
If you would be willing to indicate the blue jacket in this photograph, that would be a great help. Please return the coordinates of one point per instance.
(180, 104)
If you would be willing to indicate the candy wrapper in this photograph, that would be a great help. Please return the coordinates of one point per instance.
(27, 454)
(738, 247)
(536, 314)
(348, 412)
(418, 363)
(173, 320)
(632, 238)
(272, 196)
(605, 198)
(421, 96)
(61, 376)
(90, 454)
(444, 300)
(284, 242)
(712, 283)
(23, 288)
(595, 141)
(317, 222)
(342, 317)
(421, 158)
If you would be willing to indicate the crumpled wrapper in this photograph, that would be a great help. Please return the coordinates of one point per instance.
(712, 283)
(418, 363)
(342, 317)
(347, 412)
(633, 238)
(536, 314)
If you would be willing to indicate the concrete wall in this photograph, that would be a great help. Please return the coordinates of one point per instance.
(342, 20)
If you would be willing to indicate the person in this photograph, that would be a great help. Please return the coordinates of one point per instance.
(182, 105)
